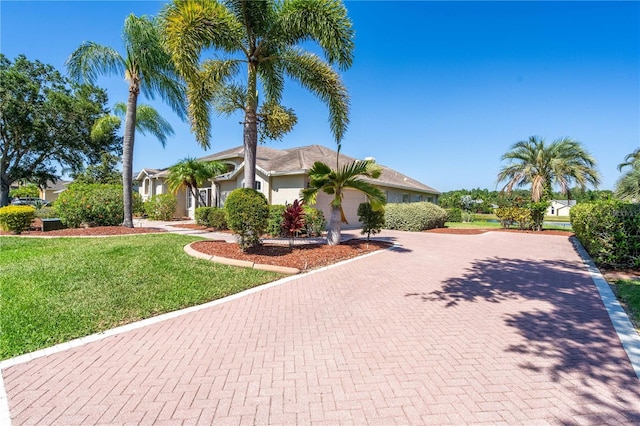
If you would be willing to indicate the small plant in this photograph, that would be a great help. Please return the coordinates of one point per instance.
(293, 220)
(161, 207)
(372, 220)
(211, 217)
(247, 215)
(16, 219)
(315, 223)
(274, 225)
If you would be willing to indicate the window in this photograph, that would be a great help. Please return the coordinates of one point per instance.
(405, 198)
(258, 185)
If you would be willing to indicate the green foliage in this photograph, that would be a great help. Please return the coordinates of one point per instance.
(29, 190)
(247, 215)
(274, 224)
(454, 214)
(104, 172)
(372, 220)
(628, 291)
(46, 123)
(211, 217)
(46, 212)
(528, 216)
(414, 216)
(314, 221)
(90, 204)
(16, 218)
(609, 231)
(161, 207)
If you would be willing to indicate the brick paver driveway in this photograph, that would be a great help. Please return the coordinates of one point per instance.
(494, 328)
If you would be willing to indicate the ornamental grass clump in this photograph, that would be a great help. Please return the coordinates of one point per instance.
(16, 219)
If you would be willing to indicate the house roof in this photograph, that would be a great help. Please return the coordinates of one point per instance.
(299, 160)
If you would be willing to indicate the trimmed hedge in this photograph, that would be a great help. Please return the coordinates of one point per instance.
(414, 216)
(609, 231)
(276, 219)
(161, 207)
(454, 214)
(247, 215)
(93, 204)
(16, 219)
(211, 217)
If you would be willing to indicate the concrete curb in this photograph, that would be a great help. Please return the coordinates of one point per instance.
(627, 333)
(241, 263)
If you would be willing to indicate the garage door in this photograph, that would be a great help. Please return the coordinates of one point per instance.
(350, 203)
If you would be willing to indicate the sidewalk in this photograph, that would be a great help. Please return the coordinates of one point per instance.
(498, 328)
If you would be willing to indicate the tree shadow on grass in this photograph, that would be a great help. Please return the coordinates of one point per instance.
(570, 333)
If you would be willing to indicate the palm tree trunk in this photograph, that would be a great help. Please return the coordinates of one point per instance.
(251, 129)
(127, 155)
(335, 223)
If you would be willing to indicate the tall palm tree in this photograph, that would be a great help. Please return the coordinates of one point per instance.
(563, 162)
(335, 182)
(628, 186)
(252, 42)
(191, 174)
(146, 67)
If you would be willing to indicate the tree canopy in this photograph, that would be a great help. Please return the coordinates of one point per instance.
(45, 124)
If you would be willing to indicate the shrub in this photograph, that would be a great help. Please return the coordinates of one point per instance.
(293, 220)
(91, 204)
(16, 219)
(372, 220)
(46, 213)
(211, 217)
(454, 214)
(274, 224)
(247, 215)
(414, 216)
(161, 207)
(315, 223)
(527, 217)
(609, 231)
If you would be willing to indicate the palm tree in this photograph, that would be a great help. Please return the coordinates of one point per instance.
(563, 162)
(146, 67)
(191, 174)
(258, 42)
(628, 186)
(335, 182)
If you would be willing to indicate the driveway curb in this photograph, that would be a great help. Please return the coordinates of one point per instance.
(241, 263)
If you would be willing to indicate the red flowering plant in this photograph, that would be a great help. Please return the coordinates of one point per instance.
(293, 220)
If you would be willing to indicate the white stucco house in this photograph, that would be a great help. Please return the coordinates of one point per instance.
(281, 174)
(560, 207)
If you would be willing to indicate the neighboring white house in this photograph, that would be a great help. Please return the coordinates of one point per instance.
(560, 207)
(280, 175)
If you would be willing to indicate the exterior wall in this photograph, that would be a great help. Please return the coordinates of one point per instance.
(285, 189)
(49, 194)
(558, 209)
(350, 203)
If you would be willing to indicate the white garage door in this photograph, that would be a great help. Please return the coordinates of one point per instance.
(350, 203)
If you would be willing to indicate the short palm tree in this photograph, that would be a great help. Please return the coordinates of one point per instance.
(335, 182)
(628, 186)
(563, 162)
(146, 67)
(191, 174)
(254, 42)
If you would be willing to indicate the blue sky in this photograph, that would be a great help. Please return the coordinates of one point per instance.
(439, 90)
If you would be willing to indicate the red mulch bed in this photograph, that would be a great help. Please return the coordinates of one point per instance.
(96, 231)
(303, 257)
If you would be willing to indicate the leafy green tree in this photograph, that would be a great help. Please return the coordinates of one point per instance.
(147, 68)
(45, 124)
(540, 165)
(258, 42)
(628, 186)
(335, 182)
(191, 174)
(105, 172)
(28, 190)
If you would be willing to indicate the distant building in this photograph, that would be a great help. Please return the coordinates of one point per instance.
(560, 207)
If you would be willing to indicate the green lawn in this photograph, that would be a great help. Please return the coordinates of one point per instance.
(55, 290)
(629, 293)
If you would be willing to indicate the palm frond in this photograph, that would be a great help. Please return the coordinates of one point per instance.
(318, 77)
(91, 60)
(148, 120)
(104, 126)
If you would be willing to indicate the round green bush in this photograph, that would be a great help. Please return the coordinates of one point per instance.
(247, 215)
(161, 207)
(414, 216)
(91, 204)
(276, 218)
(16, 219)
(454, 214)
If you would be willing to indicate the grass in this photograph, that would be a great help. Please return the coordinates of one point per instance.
(628, 292)
(483, 222)
(55, 290)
